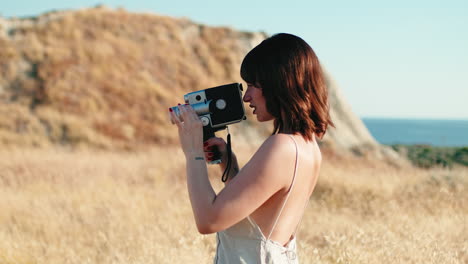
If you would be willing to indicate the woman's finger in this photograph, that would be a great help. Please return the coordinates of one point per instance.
(214, 141)
(207, 149)
(174, 118)
(193, 113)
(183, 112)
(190, 113)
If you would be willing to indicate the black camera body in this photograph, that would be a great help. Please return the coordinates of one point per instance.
(216, 107)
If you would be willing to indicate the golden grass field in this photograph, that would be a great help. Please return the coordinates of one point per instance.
(60, 206)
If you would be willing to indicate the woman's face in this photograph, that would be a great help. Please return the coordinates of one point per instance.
(254, 96)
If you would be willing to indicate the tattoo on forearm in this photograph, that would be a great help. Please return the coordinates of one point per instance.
(199, 158)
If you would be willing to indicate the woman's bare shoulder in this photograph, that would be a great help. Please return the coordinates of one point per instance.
(278, 147)
(270, 163)
(278, 141)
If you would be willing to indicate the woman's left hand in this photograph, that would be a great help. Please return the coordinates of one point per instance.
(190, 131)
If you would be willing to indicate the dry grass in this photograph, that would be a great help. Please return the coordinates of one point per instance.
(101, 207)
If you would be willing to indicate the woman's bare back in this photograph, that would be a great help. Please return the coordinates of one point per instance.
(309, 160)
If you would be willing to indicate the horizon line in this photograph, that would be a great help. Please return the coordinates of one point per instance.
(415, 118)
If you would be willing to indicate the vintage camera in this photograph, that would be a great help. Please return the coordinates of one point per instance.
(216, 107)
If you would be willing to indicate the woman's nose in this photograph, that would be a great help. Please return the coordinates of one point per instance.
(247, 97)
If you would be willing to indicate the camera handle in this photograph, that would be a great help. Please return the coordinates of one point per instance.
(209, 133)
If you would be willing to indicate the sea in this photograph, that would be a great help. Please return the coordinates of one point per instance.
(434, 132)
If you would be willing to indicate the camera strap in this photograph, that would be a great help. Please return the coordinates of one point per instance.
(229, 157)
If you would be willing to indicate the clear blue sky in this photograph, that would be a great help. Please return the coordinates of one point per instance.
(397, 58)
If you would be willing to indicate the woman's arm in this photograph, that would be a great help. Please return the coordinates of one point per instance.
(259, 179)
(270, 170)
(201, 193)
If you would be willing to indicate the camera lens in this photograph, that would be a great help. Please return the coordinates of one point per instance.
(220, 104)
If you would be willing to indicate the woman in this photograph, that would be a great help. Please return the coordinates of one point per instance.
(257, 213)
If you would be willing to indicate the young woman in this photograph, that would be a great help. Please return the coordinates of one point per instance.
(257, 213)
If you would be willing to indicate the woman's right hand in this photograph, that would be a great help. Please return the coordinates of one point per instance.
(210, 145)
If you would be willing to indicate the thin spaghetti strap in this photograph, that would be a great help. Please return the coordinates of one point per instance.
(302, 217)
(289, 190)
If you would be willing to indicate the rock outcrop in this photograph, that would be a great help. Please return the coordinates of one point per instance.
(350, 133)
(104, 78)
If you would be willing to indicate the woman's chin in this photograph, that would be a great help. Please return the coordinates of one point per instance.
(262, 119)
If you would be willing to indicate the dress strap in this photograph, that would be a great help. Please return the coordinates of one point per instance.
(302, 217)
(289, 190)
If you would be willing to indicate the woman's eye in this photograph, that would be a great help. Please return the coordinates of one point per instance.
(249, 85)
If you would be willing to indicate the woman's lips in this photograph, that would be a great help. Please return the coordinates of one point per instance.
(254, 108)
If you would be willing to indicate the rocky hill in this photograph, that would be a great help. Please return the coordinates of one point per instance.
(104, 78)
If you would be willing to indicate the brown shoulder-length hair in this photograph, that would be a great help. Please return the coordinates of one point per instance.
(292, 82)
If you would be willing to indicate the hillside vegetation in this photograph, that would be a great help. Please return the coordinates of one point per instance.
(105, 78)
(426, 156)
